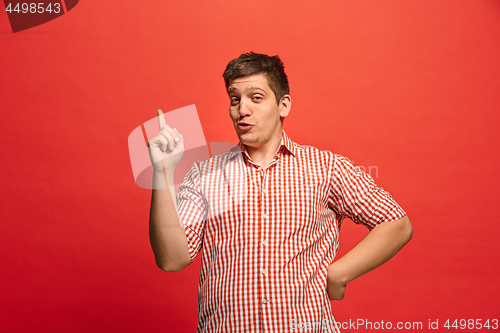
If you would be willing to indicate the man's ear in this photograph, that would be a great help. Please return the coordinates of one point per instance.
(285, 106)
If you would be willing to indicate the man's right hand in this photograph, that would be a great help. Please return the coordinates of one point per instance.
(166, 233)
(166, 148)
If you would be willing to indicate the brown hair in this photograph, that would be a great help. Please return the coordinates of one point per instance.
(255, 63)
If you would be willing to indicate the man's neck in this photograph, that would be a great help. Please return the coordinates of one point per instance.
(262, 156)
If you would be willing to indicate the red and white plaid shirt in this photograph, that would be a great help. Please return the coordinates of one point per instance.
(268, 236)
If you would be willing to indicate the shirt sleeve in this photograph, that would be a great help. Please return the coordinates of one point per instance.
(192, 207)
(356, 196)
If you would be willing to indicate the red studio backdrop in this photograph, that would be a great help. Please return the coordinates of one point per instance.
(408, 90)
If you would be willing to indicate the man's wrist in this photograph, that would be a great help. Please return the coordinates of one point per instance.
(165, 172)
(163, 180)
(337, 275)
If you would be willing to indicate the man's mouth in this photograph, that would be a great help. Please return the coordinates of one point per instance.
(244, 126)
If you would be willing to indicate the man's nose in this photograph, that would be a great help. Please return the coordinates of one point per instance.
(244, 108)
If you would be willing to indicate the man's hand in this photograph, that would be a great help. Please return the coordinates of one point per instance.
(166, 148)
(335, 286)
(166, 233)
(381, 244)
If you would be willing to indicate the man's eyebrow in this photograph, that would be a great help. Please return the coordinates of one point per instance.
(256, 88)
(234, 89)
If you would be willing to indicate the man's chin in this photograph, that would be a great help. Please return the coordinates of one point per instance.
(247, 139)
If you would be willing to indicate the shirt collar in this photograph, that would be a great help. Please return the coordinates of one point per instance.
(288, 143)
(285, 143)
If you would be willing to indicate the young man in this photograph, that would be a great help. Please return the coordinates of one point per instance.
(267, 214)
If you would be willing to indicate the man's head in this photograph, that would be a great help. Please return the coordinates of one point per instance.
(258, 90)
(254, 63)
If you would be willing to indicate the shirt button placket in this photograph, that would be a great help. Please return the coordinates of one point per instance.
(264, 230)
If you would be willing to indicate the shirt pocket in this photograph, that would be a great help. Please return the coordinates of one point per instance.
(302, 205)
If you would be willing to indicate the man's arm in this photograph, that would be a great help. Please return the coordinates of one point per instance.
(380, 245)
(166, 234)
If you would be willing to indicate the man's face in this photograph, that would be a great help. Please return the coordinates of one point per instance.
(255, 114)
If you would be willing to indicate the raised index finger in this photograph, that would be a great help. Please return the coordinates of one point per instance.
(161, 118)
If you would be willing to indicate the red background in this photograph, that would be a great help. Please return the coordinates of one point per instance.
(408, 86)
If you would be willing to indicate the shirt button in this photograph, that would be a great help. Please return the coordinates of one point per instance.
(264, 216)
(264, 243)
(265, 190)
(264, 271)
(265, 300)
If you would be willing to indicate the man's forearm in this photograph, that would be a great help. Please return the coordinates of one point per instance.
(381, 244)
(167, 236)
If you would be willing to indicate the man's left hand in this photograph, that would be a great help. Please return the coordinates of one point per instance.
(335, 287)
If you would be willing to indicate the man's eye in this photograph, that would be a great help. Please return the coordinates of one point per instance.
(234, 100)
(257, 98)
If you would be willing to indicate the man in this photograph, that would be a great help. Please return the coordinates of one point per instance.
(267, 214)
